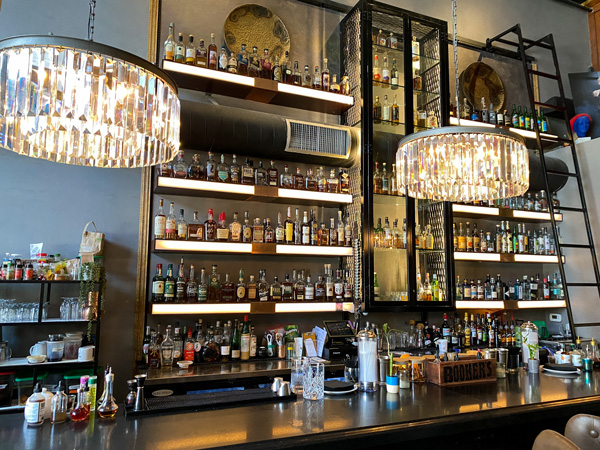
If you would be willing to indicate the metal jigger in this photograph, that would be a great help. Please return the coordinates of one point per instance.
(140, 401)
(131, 396)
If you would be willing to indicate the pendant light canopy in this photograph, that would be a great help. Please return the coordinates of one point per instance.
(78, 102)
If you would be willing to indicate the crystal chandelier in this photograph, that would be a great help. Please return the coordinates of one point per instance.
(78, 102)
(462, 164)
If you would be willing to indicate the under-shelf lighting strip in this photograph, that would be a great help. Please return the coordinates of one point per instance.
(479, 304)
(200, 185)
(465, 256)
(311, 195)
(283, 249)
(202, 246)
(313, 93)
(208, 73)
(550, 259)
(541, 304)
(201, 308)
(484, 210)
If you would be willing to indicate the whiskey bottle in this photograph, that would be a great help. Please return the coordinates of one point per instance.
(340, 229)
(196, 169)
(202, 287)
(298, 179)
(297, 228)
(171, 223)
(277, 71)
(325, 84)
(211, 352)
(321, 180)
(310, 181)
(385, 74)
(348, 231)
(393, 181)
(306, 78)
(190, 51)
(235, 229)
(345, 86)
(323, 235)
(338, 286)
(386, 116)
(320, 289)
(316, 82)
(297, 76)
(309, 290)
(258, 231)
(252, 289)
(201, 55)
(287, 289)
(335, 87)
(385, 180)
(289, 227)
(344, 181)
(212, 53)
(182, 227)
(266, 66)
(235, 175)
(169, 45)
(195, 229)
(299, 288)
(214, 285)
(286, 178)
(314, 228)
(279, 231)
(240, 291)
(275, 290)
(180, 167)
(377, 181)
(273, 174)
(222, 229)
(153, 352)
(180, 285)
(242, 61)
(180, 49)
(160, 222)
(254, 67)
(211, 168)
(166, 350)
(377, 110)
(246, 229)
(287, 73)
(228, 290)
(332, 182)
(269, 232)
(210, 227)
(165, 170)
(232, 63)
(332, 232)
(305, 230)
(222, 170)
(263, 287)
(260, 176)
(191, 287)
(252, 343)
(188, 347)
(417, 81)
(329, 290)
(223, 59)
(248, 173)
(158, 286)
(170, 285)
(348, 295)
(376, 72)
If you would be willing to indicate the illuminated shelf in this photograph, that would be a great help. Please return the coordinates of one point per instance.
(256, 89)
(176, 246)
(506, 258)
(510, 304)
(22, 362)
(230, 191)
(251, 308)
(470, 211)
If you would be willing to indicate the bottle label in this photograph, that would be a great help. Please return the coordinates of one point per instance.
(170, 289)
(279, 234)
(177, 353)
(309, 293)
(386, 75)
(252, 346)
(289, 232)
(158, 287)
(223, 175)
(34, 412)
(170, 226)
(245, 343)
(305, 235)
(235, 354)
(188, 353)
(182, 230)
(252, 293)
(196, 232)
(169, 52)
(247, 233)
(338, 289)
(197, 346)
(202, 294)
(190, 53)
(241, 292)
(222, 234)
(329, 289)
(263, 296)
(225, 350)
(160, 226)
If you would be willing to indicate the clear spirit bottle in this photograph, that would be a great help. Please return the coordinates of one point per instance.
(171, 223)
(309, 290)
(211, 168)
(180, 49)
(190, 51)
(222, 170)
(385, 180)
(305, 240)
(386, 113)
(182, 227)
(180, 167)
(160, 222)
(385, 74)
(170, 45)
(316, 84)
(263, 287)
(325, 81)
(235, 172)
(166, 350)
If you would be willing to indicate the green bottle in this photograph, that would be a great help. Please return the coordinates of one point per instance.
(527, 118)
(375, 287)
(543, 123)
(515, 117)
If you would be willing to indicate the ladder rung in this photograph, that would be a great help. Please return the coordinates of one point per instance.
(590, 324)
(566, 208)
(549, 106)
(543, 74)
(558, 172)
(583, 284)
(575, 245)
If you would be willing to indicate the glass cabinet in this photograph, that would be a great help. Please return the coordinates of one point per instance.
(397, 64)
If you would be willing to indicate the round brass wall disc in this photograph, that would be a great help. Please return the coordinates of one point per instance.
(480, 80)
(256, 26)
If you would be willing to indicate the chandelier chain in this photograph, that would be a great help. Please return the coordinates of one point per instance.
(91, 18)
(455, 49)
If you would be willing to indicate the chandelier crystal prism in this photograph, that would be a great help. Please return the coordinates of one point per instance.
(78, 102)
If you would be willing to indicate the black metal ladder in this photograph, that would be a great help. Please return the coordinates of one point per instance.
(547, 42)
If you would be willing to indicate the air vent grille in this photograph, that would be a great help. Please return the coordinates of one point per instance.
(322, 140)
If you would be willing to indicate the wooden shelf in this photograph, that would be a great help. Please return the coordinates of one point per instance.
(485, 212)
(256, 89)
(520, 258)
(510, 304)
(176, 246)
(243, 192)
(251, 308)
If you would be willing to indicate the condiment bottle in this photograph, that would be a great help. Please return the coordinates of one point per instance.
(35, 407)
(93, 384)
(108, 408)
(28, 272)
(48, 396)
(80, 413)
(58, 410)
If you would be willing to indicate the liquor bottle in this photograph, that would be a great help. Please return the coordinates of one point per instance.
(171, 223)
(166, 350)
(485, 113)
(323, 235)
(170, 284)
(211, 351)
(321, 180)
(188, 346)
(228, 290)
(521, 118)
(236, 342)
(275, 290)
(212, 53)
(333, 232)
(345, 88)
(394, 76)
(219, 332)
(469, 238)
(180, 49)
(329, 285)
(527, 119)
(191, 287)
(417, 81)
(298, 179)
(179, 166)
(211, 168)
(310, 181)
(476, 239)
(376, 72)
(514, 117)
(258, 231)
(377, 110)
(395, 112)
(287, 73)
(177, 346)
(153, 351)
(201, 54)
(235, 229)
(446, 328)
(348, 231)
(254, 64)
(273, 174)
(180, 284)
(214, 285)
(222, 229)
(160, 222)
(344, 181)
(385, 180)
(492, 115)
(202, 287)
(335, 87)
(279, 231)
(242, 61)
(386, 115)
(435, 289)
(305, 230)
(338, 286)
(182, 227)
(240, 289)
(299, 288)
(195, 169)
(246, 229)
(286, 178)
(222, 171)
(297, 228)
(316, 79)
(223, 59)
(287, 289)
(340, 230)
(289, 227)
(169, 45)
(245, 339)
(190, 51)
(377, 180)
(210, 227)
(304, 80)
(260, 175)
(325, 84)
(266, 66)
(332, 182)
(248, 172)
(269, 232)
(158, 286)
(277, 69)
(385, 74)
(252, 290)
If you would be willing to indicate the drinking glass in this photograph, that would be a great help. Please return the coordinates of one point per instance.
(296, 378)
(65, 309)
(313, 381)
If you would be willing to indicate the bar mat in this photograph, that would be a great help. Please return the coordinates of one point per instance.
(213, 400)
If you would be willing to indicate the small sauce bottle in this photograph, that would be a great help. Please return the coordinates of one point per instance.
(80, 413)
(28, 272)
(35, 407)
(58, 412)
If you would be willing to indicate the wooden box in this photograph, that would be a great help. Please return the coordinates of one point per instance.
(458, 373)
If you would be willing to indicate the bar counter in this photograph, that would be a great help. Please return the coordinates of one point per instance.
(504, 414)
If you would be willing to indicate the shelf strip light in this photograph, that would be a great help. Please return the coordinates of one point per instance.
(282, 249)
(305, 307)
(473, 304)
(199, 185)
(541, 304)
(208, 73)
(519, 214)
(484, 210)
(318, 196)
(536, 258)
(200, 246)
(464, 256)
(201, 308)
(313, 93)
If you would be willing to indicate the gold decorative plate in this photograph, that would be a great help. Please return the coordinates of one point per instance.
(256, 26)
(480, 80)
